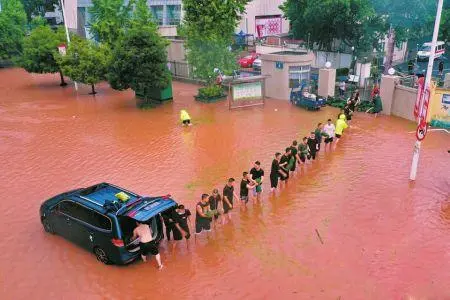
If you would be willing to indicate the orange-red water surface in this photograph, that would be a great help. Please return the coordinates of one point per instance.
(383, 237)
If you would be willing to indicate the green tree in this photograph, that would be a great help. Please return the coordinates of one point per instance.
(38, 7)
(352, 22)
(407, 19)
(109, 19)
(208, 27)
(12, 28)
(411, 19)
(444, 29)
(139, 58)
(40, 50)
(85, 62)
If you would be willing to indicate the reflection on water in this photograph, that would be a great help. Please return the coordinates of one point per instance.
(383, 238)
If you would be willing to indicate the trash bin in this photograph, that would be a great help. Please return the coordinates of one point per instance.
(153, 96)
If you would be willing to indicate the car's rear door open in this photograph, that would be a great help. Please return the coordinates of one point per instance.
(145, 210)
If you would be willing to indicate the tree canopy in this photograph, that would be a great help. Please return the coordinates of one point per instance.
(38, 7)
(139, 58)
(12, 28)
(109, 19)
(358, 23)
(208, 26)
(353, 22)
(40, 49)
(85, 62)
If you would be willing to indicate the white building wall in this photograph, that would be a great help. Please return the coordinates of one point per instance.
(71, 13)
(261, 8)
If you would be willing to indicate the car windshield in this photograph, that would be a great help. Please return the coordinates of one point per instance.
(248, 57)
(426, 48)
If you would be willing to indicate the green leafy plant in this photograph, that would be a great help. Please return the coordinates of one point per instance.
(209, 27)
(139, 58)
(40, 49)
(342, 72)
(352, 22)
(33, 8)
(85, 62)
(110, 19)
(12, 28)
(212, 91)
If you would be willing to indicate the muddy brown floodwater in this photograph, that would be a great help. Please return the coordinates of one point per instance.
(383, 237)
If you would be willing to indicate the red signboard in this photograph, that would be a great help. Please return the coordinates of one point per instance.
(421, 108)
(268, 25)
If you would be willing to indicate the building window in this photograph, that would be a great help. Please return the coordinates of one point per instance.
(298, 74)
(158, 13)
(173, 14)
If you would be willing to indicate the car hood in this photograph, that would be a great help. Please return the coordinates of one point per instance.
(147, 207)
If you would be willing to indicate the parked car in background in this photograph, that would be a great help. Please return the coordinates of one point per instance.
(101, 219)
(257, 64)
(424, 52)
(247, 61)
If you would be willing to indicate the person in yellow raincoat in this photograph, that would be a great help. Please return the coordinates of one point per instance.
(341, 124)
(185, 118)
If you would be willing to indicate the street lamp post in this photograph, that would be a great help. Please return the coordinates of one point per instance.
(61, 3)
(422, 114)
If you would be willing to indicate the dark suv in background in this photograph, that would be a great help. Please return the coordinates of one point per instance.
(101, 219)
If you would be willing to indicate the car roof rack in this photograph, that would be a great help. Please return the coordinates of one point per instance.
(91, 201)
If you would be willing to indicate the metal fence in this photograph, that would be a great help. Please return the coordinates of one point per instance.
(180, 69)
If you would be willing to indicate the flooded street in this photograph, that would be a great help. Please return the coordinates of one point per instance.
(383, 237)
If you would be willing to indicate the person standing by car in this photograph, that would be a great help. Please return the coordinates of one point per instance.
(258, 176)
(146, 243)
(169, 223)
(203, 216)
(183, 219)
(214, 201)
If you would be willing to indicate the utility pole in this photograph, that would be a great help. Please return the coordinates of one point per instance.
(423, 109)
(61, 3)
(390, 50)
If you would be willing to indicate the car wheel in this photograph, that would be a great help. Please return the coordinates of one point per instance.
(47, 226)
(101, 255)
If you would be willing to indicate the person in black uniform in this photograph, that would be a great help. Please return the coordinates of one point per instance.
(183, 220)
(246, 185)
(276, 172)
(294, 153)
(284, 161)
(257, 174)
(202, 219)
(227, 200)
(214, 201)
(313, 145)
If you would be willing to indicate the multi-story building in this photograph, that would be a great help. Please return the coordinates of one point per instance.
(167, 14)
(263, 18)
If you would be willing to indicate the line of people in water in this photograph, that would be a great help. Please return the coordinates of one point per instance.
(216, 208)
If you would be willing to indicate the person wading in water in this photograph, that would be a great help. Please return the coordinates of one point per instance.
(146, 243)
